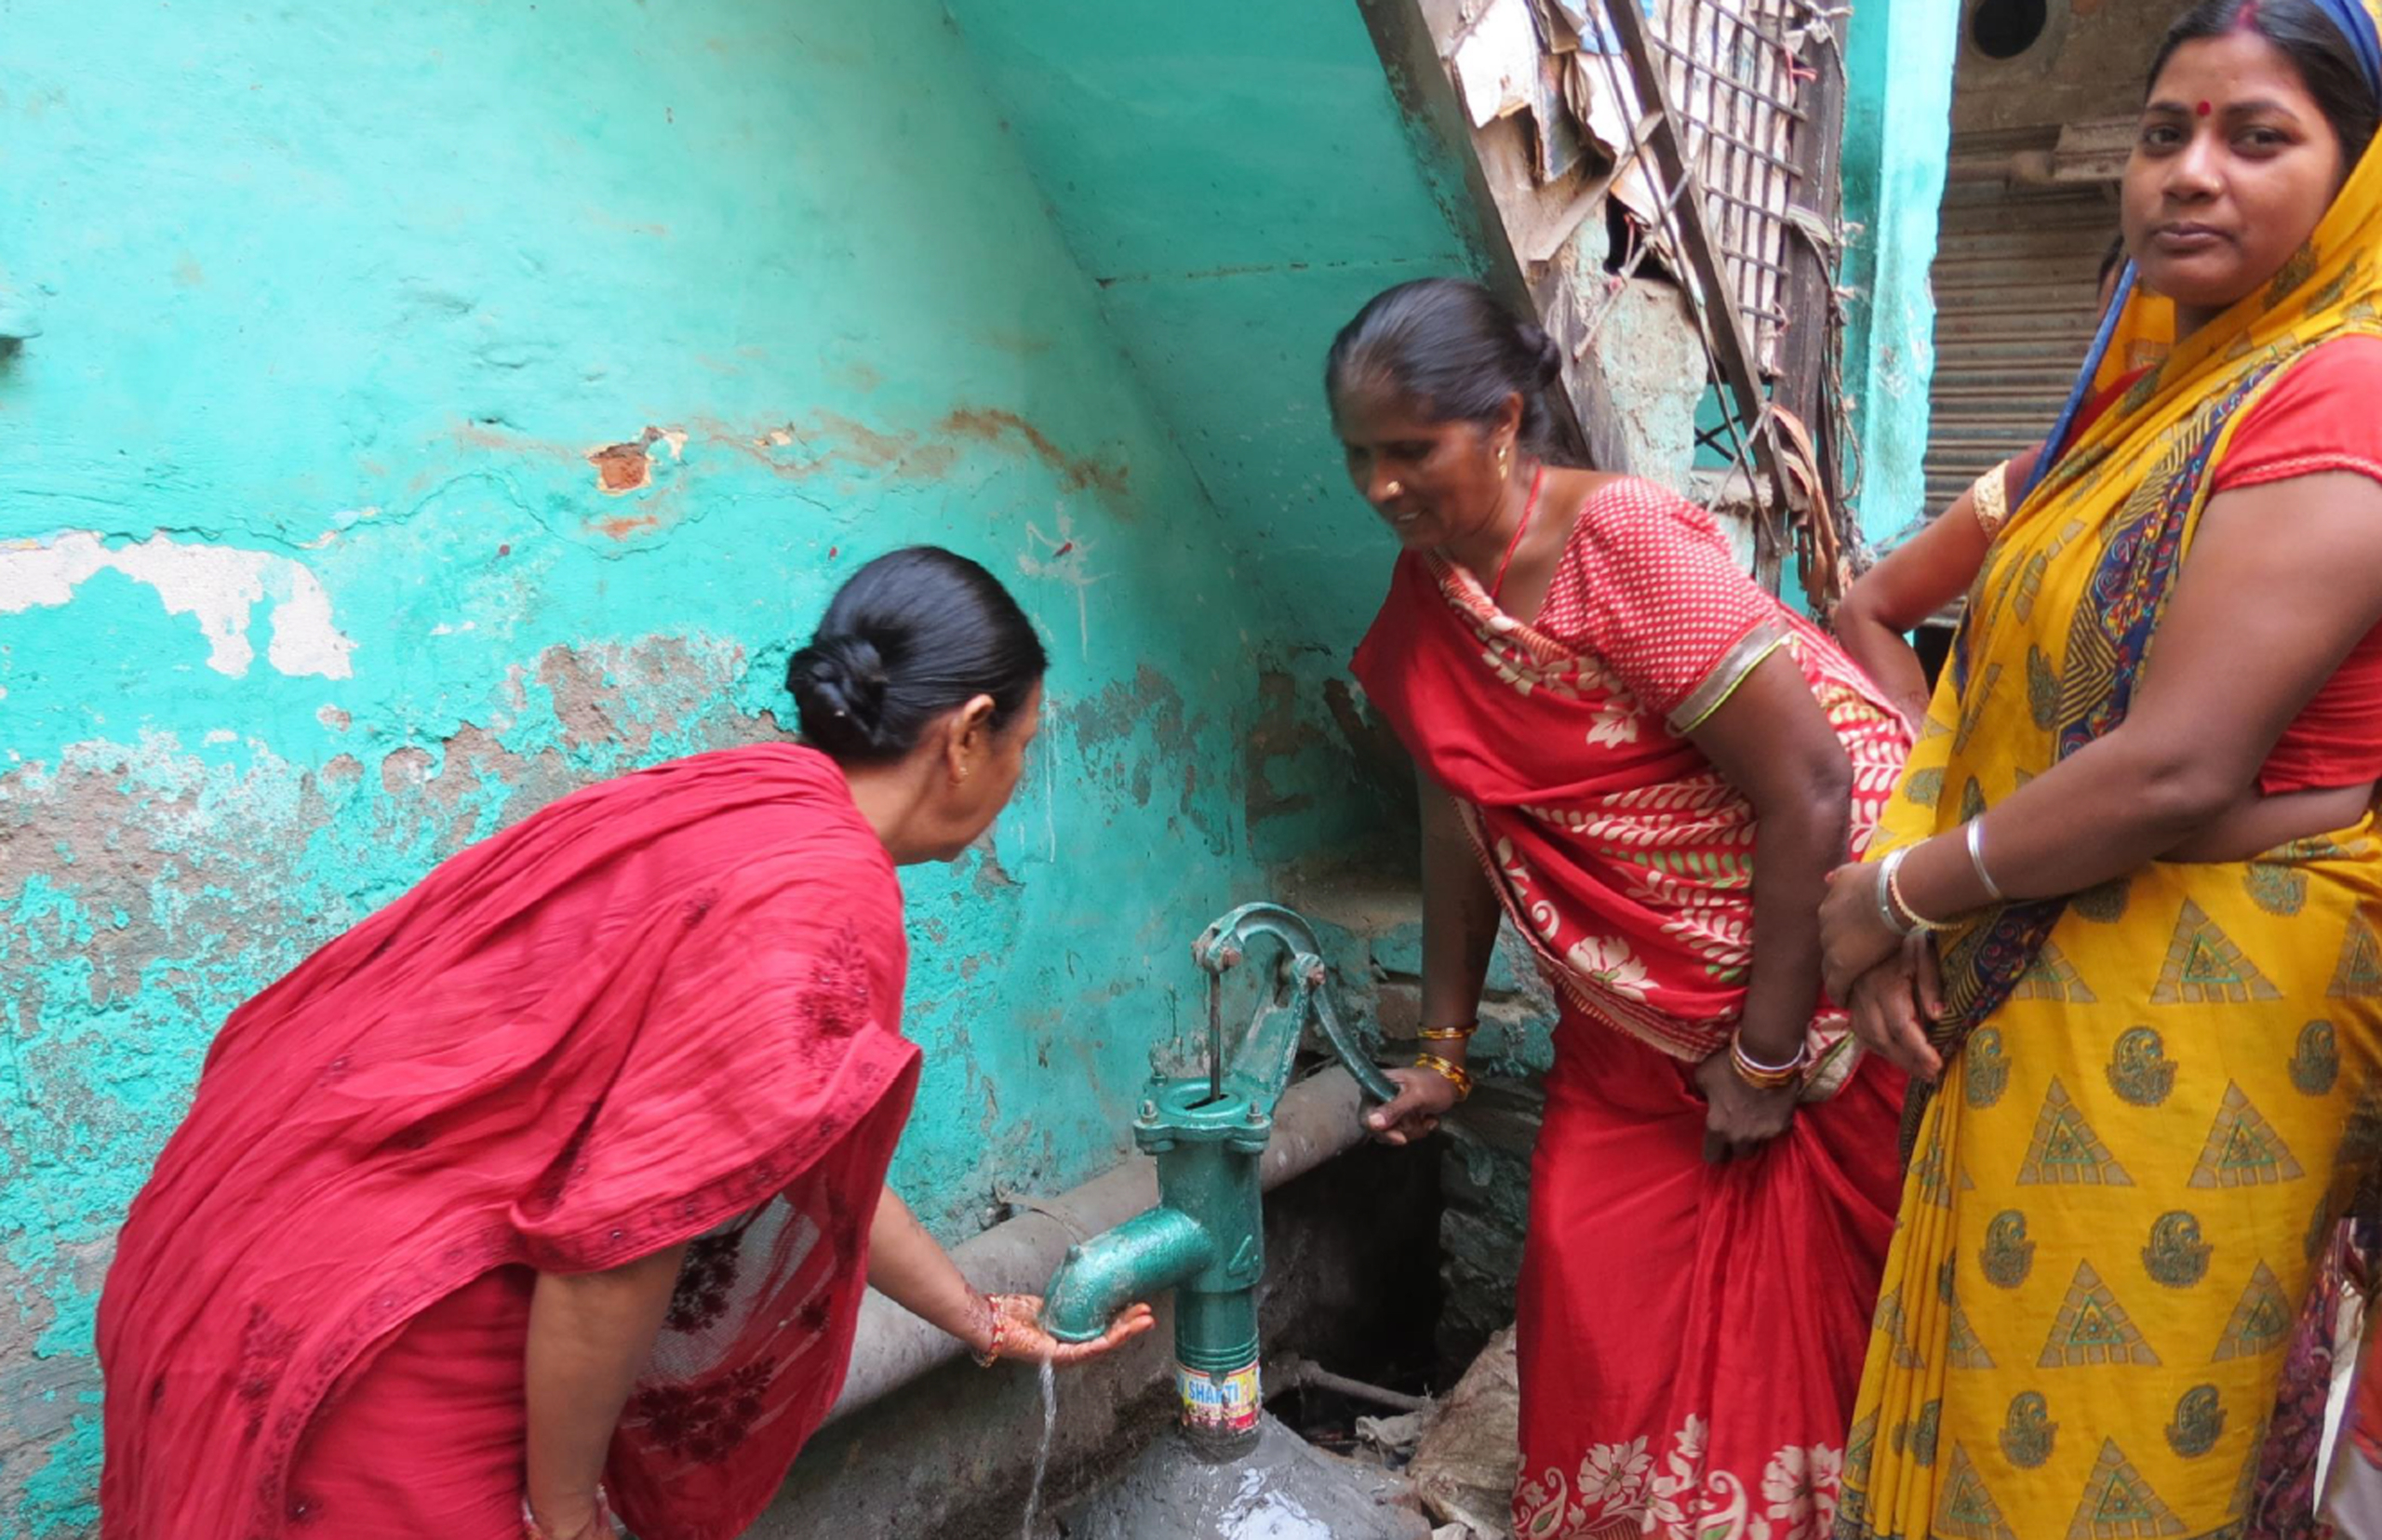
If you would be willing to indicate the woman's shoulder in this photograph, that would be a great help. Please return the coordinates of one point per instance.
(1638, 556)
(1625, 511)
(2317, 416)
(743, 805)
(2337, 378)
(2349, 362)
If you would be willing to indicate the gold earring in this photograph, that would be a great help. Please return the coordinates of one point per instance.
(1504, 460)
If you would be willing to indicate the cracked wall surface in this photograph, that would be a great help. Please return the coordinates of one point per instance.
(439, 408)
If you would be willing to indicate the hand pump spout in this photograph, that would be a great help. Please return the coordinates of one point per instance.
(1205, 1238)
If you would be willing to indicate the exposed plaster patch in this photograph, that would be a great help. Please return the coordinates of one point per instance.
(990, 876)
(621, 526)
(1133, 731)
(217, 584)
(630, 694)
(144, 839)
(626, 467)
(403, 770)
(1282, 732)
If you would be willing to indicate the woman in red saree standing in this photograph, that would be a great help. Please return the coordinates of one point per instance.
(563, 1174)
(1603, 710)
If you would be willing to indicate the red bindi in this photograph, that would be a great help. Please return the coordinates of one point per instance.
(2204, 109)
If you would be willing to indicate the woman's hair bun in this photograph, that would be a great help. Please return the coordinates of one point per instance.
(839, 683)
(1449, 343)
(911, 635)
(1547, 350)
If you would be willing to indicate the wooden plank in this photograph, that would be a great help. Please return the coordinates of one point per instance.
(1809, 272)
(1802, 386)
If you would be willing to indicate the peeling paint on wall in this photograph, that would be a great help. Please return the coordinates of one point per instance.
(547, 493)
(628, 467)
(433, 608)
(218, 585)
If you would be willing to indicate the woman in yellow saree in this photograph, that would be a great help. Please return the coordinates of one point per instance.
(2125, 910)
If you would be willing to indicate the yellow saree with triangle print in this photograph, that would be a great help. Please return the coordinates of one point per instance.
(2118, 1191)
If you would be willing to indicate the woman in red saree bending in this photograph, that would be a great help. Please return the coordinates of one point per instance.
(1603, 710)
(562, 1175)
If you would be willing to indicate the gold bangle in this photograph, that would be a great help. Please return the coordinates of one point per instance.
(1448, 1034)
(1762, 1077)
(1452, 1072)
(1990, 495)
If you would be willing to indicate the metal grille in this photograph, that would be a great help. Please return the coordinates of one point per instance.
(1725, 85)
(1729, 76)
(1720, 119)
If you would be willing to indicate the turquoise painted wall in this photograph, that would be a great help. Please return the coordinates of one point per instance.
(441, 407)
(1897, 133)
(1236, 180)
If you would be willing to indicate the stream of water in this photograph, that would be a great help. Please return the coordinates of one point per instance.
(1042, 1455)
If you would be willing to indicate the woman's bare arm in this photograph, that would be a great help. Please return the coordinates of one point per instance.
(1460, 919)
(1772, 739)
(1929, 571)
(908, 1266)
(589, 1335)
(2282, 581)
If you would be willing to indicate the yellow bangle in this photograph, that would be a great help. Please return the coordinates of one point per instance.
(1453, 1073)
(1448, 1034)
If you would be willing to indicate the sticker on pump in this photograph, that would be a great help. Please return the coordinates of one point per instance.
(1228, 1403)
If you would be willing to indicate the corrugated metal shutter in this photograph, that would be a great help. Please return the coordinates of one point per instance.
(2014, 287)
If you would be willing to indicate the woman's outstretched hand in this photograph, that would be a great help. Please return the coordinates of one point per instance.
(908, 1267)
(1014, 1330)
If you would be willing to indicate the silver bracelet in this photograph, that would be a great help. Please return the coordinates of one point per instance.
(1886, 870)
(1976, 860)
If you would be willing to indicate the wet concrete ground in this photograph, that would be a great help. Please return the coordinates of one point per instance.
(1288, 1489)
